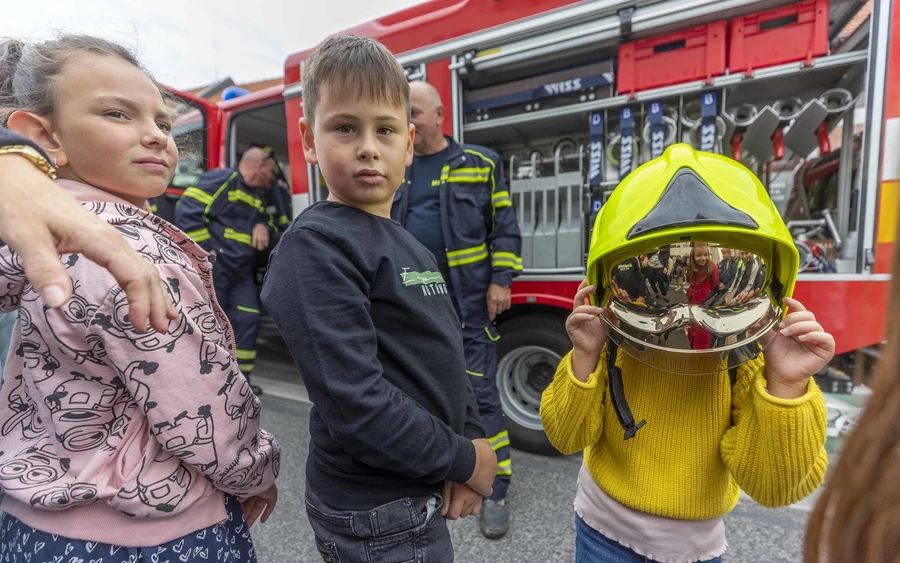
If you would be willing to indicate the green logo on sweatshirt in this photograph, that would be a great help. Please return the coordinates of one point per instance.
(420, 278)
(432, 282)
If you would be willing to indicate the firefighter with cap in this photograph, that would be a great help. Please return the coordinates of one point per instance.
(226, 214)
(454, 200)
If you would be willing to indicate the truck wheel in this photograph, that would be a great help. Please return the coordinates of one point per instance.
(529, 352)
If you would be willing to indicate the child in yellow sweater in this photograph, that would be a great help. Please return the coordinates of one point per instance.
(715, 424)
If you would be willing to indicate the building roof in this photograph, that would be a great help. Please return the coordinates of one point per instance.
(249, 86)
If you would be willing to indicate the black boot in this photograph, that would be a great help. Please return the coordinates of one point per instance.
(494, 521)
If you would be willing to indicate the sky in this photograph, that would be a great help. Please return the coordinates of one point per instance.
(193, 43)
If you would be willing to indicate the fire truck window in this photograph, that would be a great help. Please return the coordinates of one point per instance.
(188, 134)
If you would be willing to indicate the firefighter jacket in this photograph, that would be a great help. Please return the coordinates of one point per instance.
(478, 223)
(219, 213)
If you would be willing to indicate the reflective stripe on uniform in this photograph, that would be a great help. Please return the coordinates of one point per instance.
(467, 255)
(445, 172)
(247, 309)
(245, 367)
(504, 467)
(216, 196)
(245, 238)
(242, 196)
(199, 235)
(198, 194)
(506, 260)
(500, 440)
(501, 199)
(489, 169)
(245, 354)
(474, 373)
(470, 175)
(493, 339)
(283, 220)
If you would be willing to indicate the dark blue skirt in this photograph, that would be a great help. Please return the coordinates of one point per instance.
(226, 542)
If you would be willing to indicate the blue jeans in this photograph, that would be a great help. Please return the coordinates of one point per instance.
(593, 547)
(403, 531)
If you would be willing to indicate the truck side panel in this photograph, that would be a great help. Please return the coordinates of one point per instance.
(890, 169)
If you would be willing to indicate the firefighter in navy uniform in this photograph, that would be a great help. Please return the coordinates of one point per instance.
(226, 215)
(455, 202)
(279, 208)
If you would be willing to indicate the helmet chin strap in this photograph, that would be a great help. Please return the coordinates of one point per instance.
(617, 391)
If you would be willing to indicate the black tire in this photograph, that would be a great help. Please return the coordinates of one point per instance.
(532, 346)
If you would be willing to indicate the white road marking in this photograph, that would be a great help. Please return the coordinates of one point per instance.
(282, 389)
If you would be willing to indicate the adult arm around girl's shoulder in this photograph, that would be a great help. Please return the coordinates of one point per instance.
(572, 410)
(775, 448)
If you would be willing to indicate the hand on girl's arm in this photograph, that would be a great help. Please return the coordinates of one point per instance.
(799, 349)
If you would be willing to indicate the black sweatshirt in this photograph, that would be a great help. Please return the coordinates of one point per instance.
(629, 276)
(378, 344)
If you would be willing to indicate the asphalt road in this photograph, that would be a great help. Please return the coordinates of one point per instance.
(541, 499)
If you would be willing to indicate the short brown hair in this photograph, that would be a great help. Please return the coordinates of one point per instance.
(353, 63)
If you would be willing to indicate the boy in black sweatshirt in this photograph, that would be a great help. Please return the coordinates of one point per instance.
(396, 444)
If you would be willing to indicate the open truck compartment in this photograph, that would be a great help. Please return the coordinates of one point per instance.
(568, 133)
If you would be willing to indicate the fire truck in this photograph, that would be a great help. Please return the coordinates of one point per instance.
(574, 94)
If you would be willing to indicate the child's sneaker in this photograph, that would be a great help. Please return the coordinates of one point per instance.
(494, 521)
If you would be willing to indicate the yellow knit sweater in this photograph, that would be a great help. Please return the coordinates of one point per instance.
(702, 443)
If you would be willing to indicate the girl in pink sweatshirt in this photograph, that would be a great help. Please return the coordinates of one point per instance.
(115, 444)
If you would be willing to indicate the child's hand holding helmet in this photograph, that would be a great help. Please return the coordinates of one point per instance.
(586, 331)
(799, 349)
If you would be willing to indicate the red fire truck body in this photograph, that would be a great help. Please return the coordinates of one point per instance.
(524, 76)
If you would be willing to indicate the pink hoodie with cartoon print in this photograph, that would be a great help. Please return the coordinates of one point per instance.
(116, 436)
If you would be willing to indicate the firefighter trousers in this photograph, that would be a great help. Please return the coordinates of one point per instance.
(659, 283)
(236, 293)
(480, 342)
